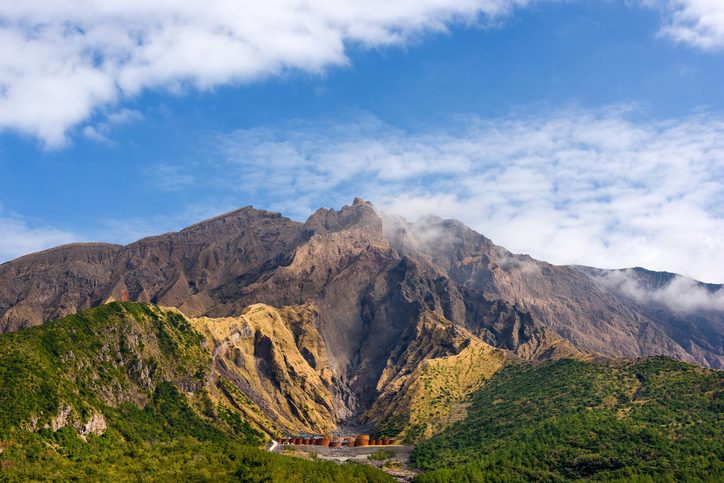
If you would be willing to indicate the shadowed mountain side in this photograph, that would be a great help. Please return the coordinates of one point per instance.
(570, 300)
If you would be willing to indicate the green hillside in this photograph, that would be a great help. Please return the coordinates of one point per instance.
(648, 420)
(119, 393)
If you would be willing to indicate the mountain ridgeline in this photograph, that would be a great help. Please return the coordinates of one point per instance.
(251, 325)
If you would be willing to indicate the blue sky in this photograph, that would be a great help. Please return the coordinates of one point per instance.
(578, 132)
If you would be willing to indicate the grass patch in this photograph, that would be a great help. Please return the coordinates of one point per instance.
(381, 455)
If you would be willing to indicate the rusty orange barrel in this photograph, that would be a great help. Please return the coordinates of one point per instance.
(324, 442)
(307, 441)
(388, 441)
(335, 444)
(297, 440)
(361, 442)
(280, 441)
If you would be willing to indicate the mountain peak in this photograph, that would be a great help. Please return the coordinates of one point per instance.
(361, 213)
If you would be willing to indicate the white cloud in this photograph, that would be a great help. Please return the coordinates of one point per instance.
(101, 130)
(681, 294)
(571, 186)
(19, 237)
(695, 22)
(61, 61)
(168, 177)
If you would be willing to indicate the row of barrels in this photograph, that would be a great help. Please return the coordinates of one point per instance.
(361, 440)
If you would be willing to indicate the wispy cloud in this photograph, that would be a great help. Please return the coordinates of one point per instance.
(19, 236)
(169, 177)
(571, 186)
(62, 61)
(602, 188)
(681, 294)
(101, 130)
(696, 22)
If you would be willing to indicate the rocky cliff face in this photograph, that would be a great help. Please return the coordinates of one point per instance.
(351, 288)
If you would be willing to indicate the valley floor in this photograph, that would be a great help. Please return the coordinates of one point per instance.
(393, 460)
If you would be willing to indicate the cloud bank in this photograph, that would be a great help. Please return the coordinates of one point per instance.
(63, 61)
(569, 187)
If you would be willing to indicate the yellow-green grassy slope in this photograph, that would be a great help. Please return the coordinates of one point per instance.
(427, 387)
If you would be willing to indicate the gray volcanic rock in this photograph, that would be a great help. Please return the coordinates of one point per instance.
(371, 277)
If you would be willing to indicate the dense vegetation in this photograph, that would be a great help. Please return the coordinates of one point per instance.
(143, 373)
(648, 420)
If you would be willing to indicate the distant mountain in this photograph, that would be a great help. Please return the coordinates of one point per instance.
(368, 299)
